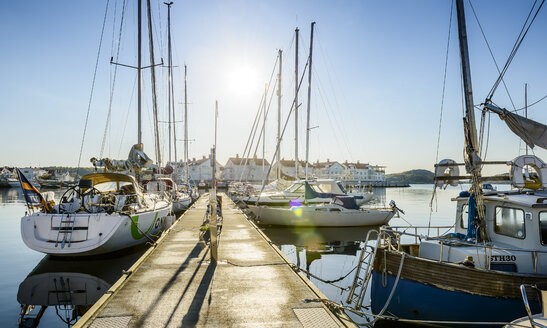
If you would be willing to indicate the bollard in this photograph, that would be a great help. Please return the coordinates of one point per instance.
(213, 226)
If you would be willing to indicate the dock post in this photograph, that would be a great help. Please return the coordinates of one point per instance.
(213, 209)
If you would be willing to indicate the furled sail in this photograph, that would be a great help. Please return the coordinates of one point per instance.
(530, 131)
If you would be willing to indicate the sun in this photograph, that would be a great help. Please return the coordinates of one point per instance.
(244, 81)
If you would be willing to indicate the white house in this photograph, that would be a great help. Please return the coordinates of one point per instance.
(288, 169)
(246, 169)
(198, 169)
(364, 173)
(329, 170)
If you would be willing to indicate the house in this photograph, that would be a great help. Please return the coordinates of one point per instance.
(198, 169)
(288, 169)
(247, 169)
(329, 170)
(364, 173)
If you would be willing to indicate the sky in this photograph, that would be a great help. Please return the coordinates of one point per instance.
(377, 78)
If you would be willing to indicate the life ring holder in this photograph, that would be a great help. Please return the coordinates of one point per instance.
(447, 168)
(518, 180)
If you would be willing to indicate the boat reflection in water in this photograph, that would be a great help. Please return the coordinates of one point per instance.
(327, 256)
(70, 287)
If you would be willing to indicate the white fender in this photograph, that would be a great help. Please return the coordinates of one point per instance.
(518, 164)
(448, 168)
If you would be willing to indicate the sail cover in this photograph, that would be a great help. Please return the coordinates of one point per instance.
(531, 132)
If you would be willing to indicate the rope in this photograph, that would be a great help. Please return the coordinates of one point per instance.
(516, 46)
(441, 114)
(109, 115)
(92, 87)
(491, 53)
(330, 282)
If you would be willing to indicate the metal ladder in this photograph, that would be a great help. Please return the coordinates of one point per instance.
(364, 266)
(66, 227)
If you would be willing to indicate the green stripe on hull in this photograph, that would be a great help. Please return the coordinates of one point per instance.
(135, 232)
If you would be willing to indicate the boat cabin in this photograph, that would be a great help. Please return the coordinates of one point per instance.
(516, 223)
(325, 186)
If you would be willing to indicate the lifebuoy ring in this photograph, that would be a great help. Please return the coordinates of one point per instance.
(447, 168)
(520, 180)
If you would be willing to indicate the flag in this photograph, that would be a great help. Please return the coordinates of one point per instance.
(32, 195)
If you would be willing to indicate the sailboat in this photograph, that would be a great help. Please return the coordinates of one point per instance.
(165, 182)
(326, 206)
(341, 211)
(472, 276)
(105, 212)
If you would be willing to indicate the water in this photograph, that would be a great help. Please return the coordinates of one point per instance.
(63, 287)
(329, 253)
(332, 254)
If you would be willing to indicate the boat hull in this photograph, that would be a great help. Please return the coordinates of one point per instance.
(285, 201)
(181, 204)
(430, 290)
(93, 233)
(305, 217)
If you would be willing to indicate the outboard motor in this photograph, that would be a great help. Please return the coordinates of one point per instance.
(394, 206)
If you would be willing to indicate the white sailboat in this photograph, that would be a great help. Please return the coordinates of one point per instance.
(105, 212)
(295, 193)
(310, 208)
(341, 211)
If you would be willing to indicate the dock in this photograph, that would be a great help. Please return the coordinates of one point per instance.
(177, 284)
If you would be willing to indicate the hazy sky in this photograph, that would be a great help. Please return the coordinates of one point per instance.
(376, 91)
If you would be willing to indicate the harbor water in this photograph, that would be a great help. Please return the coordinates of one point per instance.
(62, 289)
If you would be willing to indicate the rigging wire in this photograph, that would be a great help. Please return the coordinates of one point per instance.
(92, 86)
(337, 103)
(127, 115)
(113, 83)
(491, 53)
(433, 195)
(516, 46)
(253, 133)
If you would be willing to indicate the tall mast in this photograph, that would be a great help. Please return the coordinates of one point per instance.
(139, 72)
(279, 115)
(264, 128)
(153, 78)
(296, 105)
(472, 158)
(526, 109)
(186, 125)
(466, 73)
(171, 97)
(309, 102)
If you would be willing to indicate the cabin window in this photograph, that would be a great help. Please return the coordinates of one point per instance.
(325, 188)
(464, 216)
(510, 222)
(543, 227)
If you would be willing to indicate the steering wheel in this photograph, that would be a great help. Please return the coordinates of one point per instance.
(69, 194)
(90, 193)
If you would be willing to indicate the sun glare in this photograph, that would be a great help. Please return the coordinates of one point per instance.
(244, 81)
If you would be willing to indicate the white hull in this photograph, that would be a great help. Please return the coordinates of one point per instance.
(182, 203)
(93, 233)
(320, 216)
(285, 200)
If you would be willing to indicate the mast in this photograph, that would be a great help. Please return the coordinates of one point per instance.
(264, 128)
(466, 74)
(472, 158)
(296, 105)
(526, 110)
(309, 102)
(186, 125)
(279, 115)
(139, 71)
(171, 98)
(153, 78)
